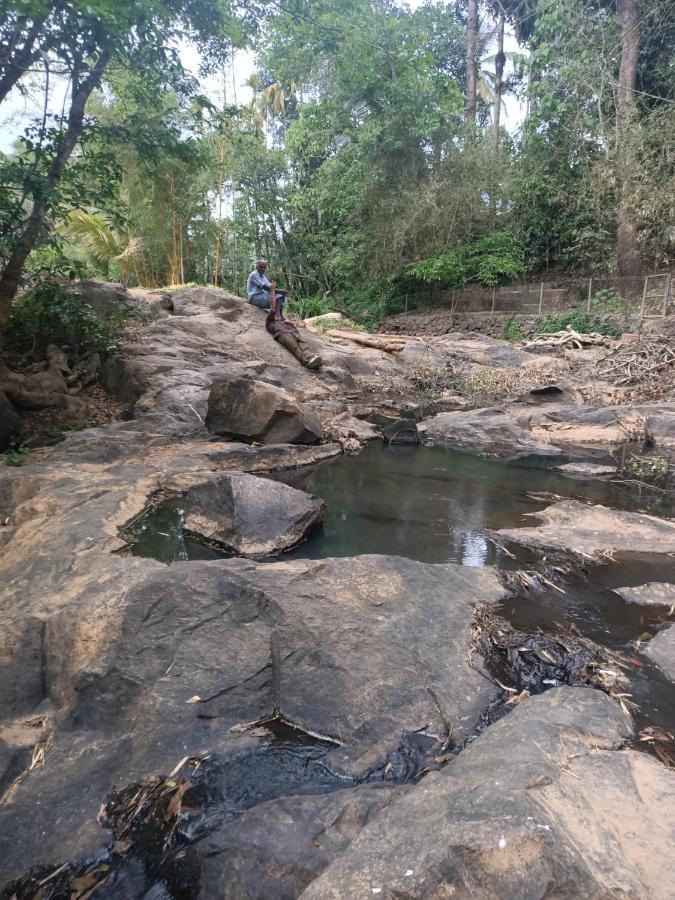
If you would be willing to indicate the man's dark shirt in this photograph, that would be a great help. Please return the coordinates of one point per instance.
(277, 326)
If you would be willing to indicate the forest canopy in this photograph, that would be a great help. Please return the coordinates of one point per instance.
(369, 153)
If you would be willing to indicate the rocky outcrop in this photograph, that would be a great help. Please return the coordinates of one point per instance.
(515, 430)
(553, 818)
(251, 516)
(591, 530)
(490, 431)
(661, 650)
(244, 409)
(654, 593)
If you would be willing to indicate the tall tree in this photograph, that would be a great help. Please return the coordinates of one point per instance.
(628, 247)
(471, 62)
(82, 39)
(500, 60)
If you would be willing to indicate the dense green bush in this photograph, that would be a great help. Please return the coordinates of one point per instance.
(51, 315)
(495, 259)
(308, 307)
(580, 321)
(512, 330)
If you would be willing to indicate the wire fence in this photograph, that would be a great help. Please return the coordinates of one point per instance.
(649, 297)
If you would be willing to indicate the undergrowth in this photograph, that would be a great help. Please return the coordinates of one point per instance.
(51, 315)
(512, 331)
(580, 322)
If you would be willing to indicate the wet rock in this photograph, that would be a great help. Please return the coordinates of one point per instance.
(563, 811)
(345, 426)
(251, 516)
(362, 650)
(10, 424)
(252, 410)
(661, 650)
(490, 431)
(586, 470)
(652, 594)
(275, 850)
(402, 432)
(589, 529)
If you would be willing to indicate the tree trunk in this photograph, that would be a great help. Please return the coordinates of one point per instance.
(627, 246)
(500, 60)
(15, 61)
(11, 274)
(471, 61)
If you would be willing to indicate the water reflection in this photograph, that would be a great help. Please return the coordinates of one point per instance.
(433, 504)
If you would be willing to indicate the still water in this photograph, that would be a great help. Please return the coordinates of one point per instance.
(434, 504)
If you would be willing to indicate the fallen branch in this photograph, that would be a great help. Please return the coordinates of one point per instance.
(377, 341)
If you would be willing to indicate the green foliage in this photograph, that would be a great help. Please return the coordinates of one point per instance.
(447, 269)
(655, 470)
(607, 300)
(512, 330)
(580, 321)
(495, 259)
(307, 307)
(51, 315)
(16, 457)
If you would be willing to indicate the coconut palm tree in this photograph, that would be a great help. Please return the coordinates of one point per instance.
(103, 244)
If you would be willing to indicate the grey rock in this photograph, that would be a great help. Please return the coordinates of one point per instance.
(251, 516)
(586, 470)
(402, 432)
(311, 639)
(541, 804)
(252, 410)
(654, 593)
(590, 529)
(661, 650)
(489, 432)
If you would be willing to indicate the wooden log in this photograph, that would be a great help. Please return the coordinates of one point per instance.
(377, 342)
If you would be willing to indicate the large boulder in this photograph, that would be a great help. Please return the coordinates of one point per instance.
(148, 663)
(542, 804)
(661, 650)
(251, 516)
(252, 410)
(590, 529)
(490, 431)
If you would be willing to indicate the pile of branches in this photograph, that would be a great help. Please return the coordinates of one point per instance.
(569, 339)
(648, 366)
(528, 663)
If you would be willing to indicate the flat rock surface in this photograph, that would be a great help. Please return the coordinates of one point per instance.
(563, 813)
(586, 470)
(162, 662)
(661, 650)
(571, 525)
(655, 593)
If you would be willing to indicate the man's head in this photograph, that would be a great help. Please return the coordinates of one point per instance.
(261, 265)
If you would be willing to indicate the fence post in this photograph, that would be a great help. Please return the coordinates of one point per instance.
(666, 295)
(406, 306)
(644, 297)
(541, 296)
(590, 294)
(493, 301)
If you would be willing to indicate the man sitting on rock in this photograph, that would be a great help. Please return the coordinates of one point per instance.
(259, 287)
(289, 336)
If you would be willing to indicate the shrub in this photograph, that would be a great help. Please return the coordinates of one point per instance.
(607, 300)
(495, 259)
(51, 315)
(16, 457)
(580, 321)
(308, 307)
(448, 269)
(512, 330)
